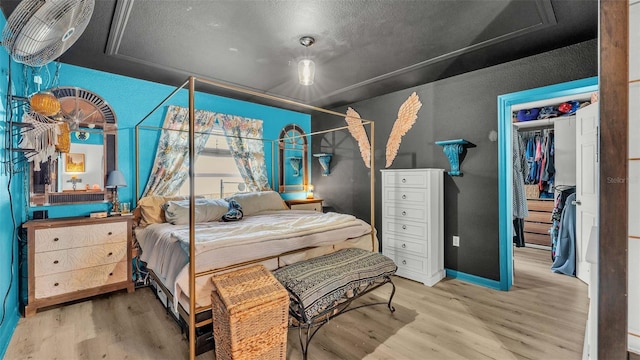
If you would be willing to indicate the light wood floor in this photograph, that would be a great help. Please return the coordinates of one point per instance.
(542, 317)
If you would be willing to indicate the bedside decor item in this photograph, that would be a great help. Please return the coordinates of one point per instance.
(325, 160)
(452, 149)
(407, 116)
(310, 189)
(115, 180)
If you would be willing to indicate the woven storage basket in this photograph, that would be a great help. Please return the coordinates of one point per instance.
(532, 191)
(250, 315)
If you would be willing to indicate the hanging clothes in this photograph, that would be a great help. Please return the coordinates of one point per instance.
(565, 249)
(520, 170)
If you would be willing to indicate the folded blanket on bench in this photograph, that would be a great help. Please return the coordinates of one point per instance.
(321, 281)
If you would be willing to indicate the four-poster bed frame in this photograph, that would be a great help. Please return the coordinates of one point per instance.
(193, 274)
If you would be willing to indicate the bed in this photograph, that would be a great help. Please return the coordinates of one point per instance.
(269, 233)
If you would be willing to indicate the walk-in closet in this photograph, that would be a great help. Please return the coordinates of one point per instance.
(545, 176)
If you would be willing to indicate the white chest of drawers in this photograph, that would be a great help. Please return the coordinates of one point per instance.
(74, 258)
(413, 222)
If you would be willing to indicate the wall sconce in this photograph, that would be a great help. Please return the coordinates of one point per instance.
(310, 189)
(295, 164)
(306, 67)
(325, 160)
(452, 149)
(115, 180)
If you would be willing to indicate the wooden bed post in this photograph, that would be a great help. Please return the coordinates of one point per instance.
(192, 225)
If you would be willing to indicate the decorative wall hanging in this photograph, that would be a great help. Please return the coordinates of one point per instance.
(356, 128)
(452, 149)
(325, 160)
(407, 115)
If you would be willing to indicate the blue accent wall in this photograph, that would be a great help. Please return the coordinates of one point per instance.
(132, 99)
(11, 192)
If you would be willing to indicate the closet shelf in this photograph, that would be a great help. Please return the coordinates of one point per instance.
(539, 123)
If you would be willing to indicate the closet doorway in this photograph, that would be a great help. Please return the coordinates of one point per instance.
(507, 104)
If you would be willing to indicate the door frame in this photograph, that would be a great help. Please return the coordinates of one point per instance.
(505, 166)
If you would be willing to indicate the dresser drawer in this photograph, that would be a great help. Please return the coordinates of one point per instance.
(66, 282)
(407, 228)
(405, 196)
(52, 262)
(58, 238)
(405, 179)
(413, 247)
(416, 213)
(406, 262)
(309, 206)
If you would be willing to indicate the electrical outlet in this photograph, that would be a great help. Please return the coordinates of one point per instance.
(456, 241)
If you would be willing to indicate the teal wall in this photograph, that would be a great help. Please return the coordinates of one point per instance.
(132, 99)
(11, 192)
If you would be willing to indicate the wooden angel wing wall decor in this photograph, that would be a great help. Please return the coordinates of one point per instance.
(407, 116)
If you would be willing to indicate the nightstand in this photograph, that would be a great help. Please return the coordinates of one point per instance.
(305, 204)
(75, 258)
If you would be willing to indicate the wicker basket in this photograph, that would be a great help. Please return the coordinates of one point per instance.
(532, 191)
(250, 315)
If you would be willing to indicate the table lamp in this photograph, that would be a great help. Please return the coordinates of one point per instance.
(115, 180)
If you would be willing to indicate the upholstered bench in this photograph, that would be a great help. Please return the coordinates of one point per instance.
(323, 288)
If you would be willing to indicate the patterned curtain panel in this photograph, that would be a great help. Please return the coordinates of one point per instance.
(171, 166)
(244, 137)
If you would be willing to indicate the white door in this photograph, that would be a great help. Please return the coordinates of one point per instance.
(587, 176)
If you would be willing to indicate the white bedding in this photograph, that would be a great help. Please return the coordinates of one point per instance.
(220, 244)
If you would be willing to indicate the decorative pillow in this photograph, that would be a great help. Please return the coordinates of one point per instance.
(177, 212)
(255, 202)
(150, 209)
(234, 213)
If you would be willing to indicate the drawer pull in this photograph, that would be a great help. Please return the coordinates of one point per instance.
(404, 213)
(404, 262)
(404, 197)
(110, 233)
(404, 227)
(109, 254)
(55, 261)
(56, 284)
(55, 239)
(111, 274)
(404, 180)
(404, 246)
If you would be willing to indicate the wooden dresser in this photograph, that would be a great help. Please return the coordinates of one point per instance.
(75, 258)
(538, 223)
(413, 222)
(305, 204)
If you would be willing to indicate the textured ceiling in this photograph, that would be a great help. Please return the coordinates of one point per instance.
(364, 48)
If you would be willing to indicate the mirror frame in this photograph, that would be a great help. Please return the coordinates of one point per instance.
(282, 186)
(110, 156)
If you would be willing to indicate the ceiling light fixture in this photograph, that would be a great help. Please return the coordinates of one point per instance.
(306, 67)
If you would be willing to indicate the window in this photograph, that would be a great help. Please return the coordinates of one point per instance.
(216, 173)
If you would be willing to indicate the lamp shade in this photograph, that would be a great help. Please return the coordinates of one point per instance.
(116, 179)
(45, 103)
(306, 72)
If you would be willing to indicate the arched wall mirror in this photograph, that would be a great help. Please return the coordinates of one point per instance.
(292, 159)
(79, 175)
